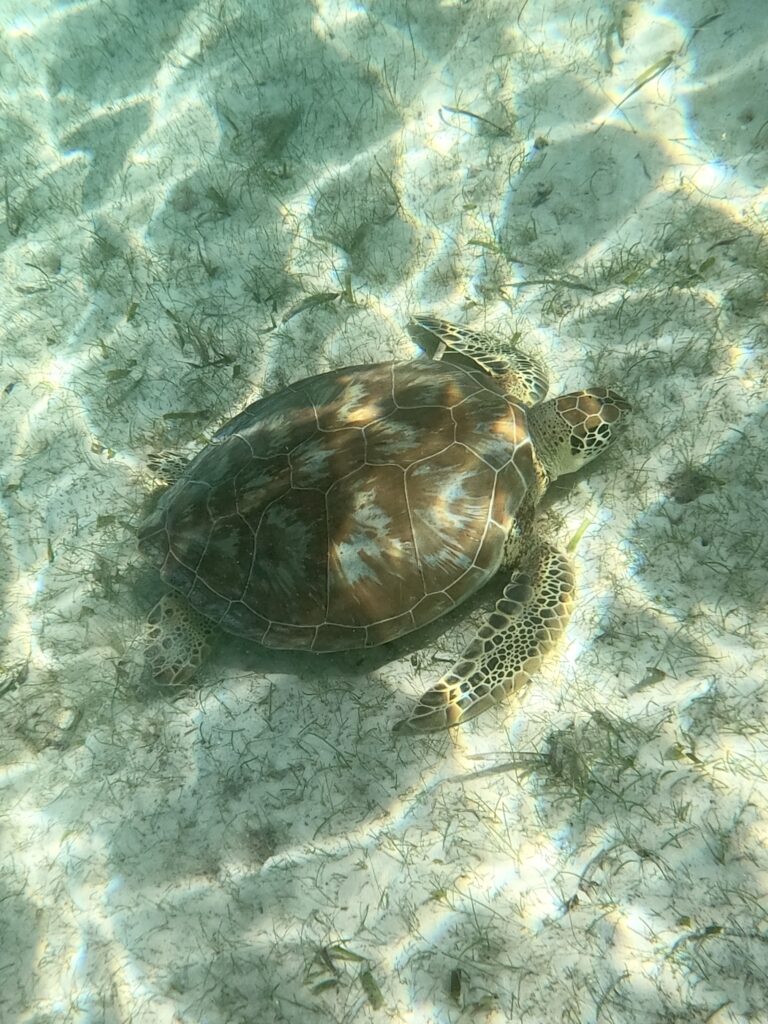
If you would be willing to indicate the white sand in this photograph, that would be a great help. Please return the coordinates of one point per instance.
(179, 177)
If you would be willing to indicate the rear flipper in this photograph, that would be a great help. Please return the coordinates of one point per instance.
(177, 640)
(509, 646)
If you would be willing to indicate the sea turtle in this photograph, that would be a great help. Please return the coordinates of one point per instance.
(355, 506)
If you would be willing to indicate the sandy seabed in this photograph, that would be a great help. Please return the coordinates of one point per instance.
(203, 201)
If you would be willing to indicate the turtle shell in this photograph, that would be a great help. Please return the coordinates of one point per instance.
(348, 508)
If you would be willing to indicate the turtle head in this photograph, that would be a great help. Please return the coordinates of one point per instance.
(569, 431)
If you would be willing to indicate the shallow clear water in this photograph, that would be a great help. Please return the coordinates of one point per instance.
(202, 202)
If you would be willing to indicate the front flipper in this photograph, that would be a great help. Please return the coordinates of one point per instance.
(176, 640)
(509, 647)
(522, 376)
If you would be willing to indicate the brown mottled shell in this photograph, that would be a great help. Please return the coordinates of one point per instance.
(349, 508)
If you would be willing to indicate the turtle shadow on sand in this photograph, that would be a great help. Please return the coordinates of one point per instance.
(234, 655)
